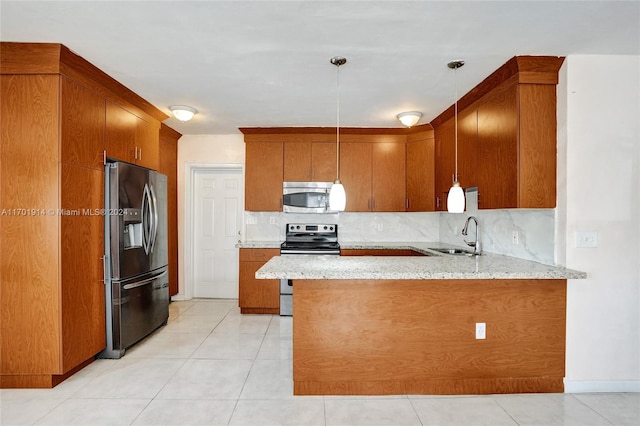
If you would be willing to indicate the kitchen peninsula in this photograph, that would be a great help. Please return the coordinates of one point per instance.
(433, 324)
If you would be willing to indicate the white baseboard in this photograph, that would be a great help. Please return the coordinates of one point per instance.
(597, 386)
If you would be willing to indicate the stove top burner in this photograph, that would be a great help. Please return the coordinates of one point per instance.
(311, 238)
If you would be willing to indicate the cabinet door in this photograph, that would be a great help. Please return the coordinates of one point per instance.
(120, 133)
(297, 161)
(147, 144)
(263, 176)
(324, 164)
(497, 169)
(82, 273)
(81, 125)
(169, 167)
(389, 177)
(257, 296)
(444, 137)
(355, 175)
(420, 175)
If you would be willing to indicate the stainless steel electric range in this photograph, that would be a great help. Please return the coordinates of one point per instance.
(312, 239)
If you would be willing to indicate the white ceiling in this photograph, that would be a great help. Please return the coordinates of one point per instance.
(266, 63)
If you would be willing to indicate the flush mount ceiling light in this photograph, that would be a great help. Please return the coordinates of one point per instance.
(183, 112)
(337, 195)
(409, 118)
(455, 198)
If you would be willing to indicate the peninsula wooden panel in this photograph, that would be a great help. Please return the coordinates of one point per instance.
(81, 125)
(418, 336)
(30, 327)
(263, 176)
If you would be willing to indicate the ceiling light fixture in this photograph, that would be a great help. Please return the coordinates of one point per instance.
(409, 118)
(183, 112)
(455, 198)
(337, 194)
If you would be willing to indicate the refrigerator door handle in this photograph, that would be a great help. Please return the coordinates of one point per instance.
(143, 282)
(154, 218)
(147, 222)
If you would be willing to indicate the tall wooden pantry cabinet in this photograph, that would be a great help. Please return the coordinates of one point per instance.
(53, 113)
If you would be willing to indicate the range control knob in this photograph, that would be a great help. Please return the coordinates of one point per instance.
(331, 228)
(325, 227)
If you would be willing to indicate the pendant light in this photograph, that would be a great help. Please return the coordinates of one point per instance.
(455, 199)
(337, 195)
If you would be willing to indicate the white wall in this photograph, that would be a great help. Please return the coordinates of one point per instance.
(200, 150)
(598, 190)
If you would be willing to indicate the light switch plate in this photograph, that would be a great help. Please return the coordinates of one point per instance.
(586, 239)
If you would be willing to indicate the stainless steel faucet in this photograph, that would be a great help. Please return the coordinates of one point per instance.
(475, 244)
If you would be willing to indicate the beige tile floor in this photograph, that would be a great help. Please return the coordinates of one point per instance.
(212, 366)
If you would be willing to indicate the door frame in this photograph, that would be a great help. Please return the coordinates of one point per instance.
(185, 292)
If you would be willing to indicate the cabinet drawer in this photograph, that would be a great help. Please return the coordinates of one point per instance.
(258, 255)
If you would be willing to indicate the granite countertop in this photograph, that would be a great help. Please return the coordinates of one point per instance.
(433, 266)
(259, 244)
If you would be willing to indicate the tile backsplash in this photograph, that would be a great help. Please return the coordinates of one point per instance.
(534, 228)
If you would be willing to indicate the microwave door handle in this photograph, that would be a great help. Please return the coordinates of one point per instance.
(146, 219)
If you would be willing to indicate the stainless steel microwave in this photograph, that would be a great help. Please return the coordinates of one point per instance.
(305, 197)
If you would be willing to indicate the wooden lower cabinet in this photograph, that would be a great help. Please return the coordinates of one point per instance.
(257, 296)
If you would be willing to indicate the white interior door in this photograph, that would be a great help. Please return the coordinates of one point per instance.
(217, 205)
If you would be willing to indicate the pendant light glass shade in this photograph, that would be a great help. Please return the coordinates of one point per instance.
(455, 199)
(337, 197)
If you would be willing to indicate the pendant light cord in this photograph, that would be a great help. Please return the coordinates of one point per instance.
(455, 114)
(338, 123)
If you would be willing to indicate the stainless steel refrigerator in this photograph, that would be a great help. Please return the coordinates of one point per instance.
(137, 280)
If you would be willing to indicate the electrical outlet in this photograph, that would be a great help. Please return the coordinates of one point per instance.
(586, 239)
(515, 238)
(252, 220)
(481, 330)
(379, 226)
(272, 220)
(455, 230)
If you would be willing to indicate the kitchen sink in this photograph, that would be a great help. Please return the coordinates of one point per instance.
(454, 251)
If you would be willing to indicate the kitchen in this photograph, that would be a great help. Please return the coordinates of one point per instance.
(600, 322)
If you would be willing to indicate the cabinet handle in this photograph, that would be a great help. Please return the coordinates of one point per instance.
(104, 269)
(139, 153)
(104, 157)
(437, 202)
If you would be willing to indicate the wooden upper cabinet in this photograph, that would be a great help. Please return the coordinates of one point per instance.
(147, 144)
(297, 161)
(445, 163)
(82, 122)
(420, 173)
(355, 175)
(120, 135)
(323, 162)
(514, 161)
(308, 161)
(388, 177)
(130, 138)
(497, 169)
(263, 176)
